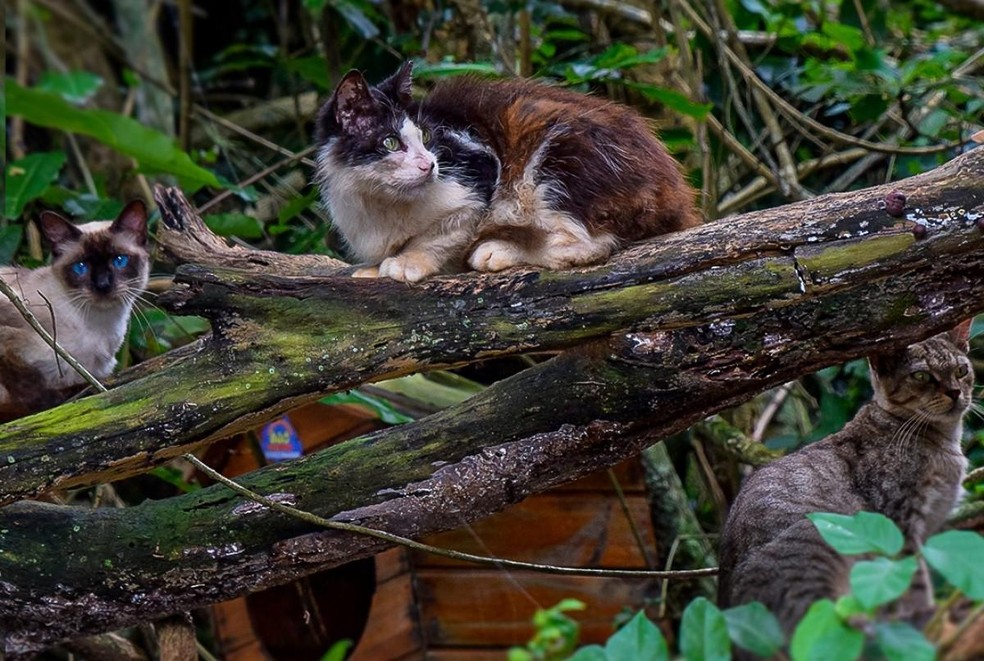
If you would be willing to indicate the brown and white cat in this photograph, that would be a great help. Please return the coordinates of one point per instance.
(98, 270)
(494, 174)
(900, 456)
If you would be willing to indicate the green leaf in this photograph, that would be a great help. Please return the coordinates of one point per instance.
(879, 581)
(234, 224)
(900, 641)
(672, 99)
(356, 17)
(386, 412)
(74, 86)
(424, 70)
(865, 532)
(959, 556)
(312, 69)
(704, 632)
(338, 651)
(152, 150)
(589, 653)
(754, 628)
(27, 178)
(10, 238)
(821, 636)
(638, 639)
(848, 605)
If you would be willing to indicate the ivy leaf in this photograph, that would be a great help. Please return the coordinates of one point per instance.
(879, 581)
(10, 238)
(234, 224)
(76, 87)
(821, 635)
(152, 150)
(589, 653)
(638, 639)
(27, 178)
(899, 641)
(865, 532)
(754, 628)
(957, 554)
(703, 632)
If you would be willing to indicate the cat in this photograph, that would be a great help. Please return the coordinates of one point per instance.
(490, 175)
(900, 456)
(98, 270)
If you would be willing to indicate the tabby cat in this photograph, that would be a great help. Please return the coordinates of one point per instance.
(492, 174)
(900, 456)
(84, 298)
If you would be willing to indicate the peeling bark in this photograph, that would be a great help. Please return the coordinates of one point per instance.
(703, 321)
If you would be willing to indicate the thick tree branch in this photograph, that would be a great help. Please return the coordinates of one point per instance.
(708, 318)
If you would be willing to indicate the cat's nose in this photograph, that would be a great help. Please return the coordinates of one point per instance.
(426, 165)
(953, 394)
(103, 282)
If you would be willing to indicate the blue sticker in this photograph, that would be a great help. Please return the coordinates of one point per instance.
(279, 441)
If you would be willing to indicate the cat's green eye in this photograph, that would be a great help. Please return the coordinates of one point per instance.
(922, 376)
(391, 143)
(425, 135)
(962, 371)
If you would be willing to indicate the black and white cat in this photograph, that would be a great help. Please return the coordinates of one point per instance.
(490, 173)
(84, 298)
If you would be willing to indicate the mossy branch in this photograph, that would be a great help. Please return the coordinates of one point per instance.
(701, 320)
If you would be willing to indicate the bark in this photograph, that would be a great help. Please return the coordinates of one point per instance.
(702, 320)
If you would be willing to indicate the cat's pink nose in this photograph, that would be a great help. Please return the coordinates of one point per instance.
(425, 165)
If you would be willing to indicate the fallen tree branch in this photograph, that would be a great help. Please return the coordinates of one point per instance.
(705, 319)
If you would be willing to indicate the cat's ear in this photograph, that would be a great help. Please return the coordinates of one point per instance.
(353, 103)
(399, 86)
(960, 336)
(57, 231)
(132, 220)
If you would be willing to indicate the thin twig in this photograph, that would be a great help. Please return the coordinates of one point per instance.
(301, 155)
(314, 519)
(633, 526)
(46, 336)
(961, 629)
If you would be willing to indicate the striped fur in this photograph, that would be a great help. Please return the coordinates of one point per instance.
(900, 456)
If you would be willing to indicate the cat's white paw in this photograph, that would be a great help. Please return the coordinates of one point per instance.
(495, 255)
(408, 267)
(367, 272)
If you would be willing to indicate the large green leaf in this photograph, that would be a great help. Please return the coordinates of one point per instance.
(821, 636)
(959, 556)
(704, 632)
(10, 238)
(234, 224)
(899, 641)
(865, 532)
(879, 581)
(27, 178)
(589, 653)
(754, 628)
(672, 99)
(74, 86)
(638, 639)
(152, 150)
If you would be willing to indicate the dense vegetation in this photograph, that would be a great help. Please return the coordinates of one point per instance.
(762, 101)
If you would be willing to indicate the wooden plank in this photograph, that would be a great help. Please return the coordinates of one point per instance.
(493, 608)
(392, 563)
(468, 654)
(587, 530)
(234, 632)
(391, 630)
(630, 476)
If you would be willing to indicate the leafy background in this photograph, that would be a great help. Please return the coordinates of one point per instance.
(762, 101)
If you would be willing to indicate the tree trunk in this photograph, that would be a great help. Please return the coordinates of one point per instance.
(703, 320)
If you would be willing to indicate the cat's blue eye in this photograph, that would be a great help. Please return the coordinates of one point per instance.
(120, 261)
(80, 268)
(391, 143)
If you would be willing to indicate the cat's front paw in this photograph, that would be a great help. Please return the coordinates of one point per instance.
(495, 255)
(408, 267)
(367, 272)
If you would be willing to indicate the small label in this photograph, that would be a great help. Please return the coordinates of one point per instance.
(279, 441)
